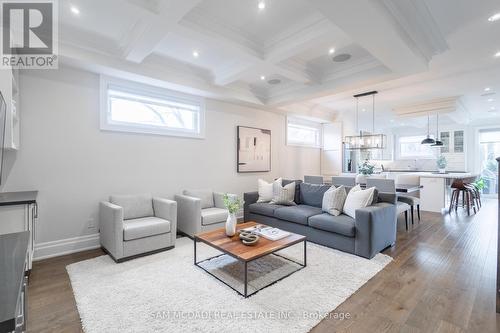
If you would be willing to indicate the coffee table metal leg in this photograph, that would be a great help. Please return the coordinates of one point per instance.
(194, 241)
(305, 253)
(246, 278)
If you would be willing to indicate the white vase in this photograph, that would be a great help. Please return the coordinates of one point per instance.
(231, 224)
(442, 170)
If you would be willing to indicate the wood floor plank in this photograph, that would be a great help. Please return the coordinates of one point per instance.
(442, 279)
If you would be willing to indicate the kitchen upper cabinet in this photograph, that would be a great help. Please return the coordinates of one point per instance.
(453, 141)
(458, 141)
(445, 138)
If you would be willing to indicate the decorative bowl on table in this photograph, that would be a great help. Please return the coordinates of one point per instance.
(248, 238)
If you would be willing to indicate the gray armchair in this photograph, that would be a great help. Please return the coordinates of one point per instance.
(133, 225)
(201, 210)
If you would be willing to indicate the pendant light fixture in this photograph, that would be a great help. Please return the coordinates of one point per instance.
(428, 140)
(366, 141)
(438, 143)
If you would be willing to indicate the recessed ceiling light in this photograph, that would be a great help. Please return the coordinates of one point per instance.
(261, 5)
(331, 51)
(364, 110)
(491, 100)
(392, 120)
(494, 18)
(262, 77)
(487, 89)
(493, 108)
(75, 10)
(196, 54)
(497, 54)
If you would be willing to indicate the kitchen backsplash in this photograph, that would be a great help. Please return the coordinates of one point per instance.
(456, 162)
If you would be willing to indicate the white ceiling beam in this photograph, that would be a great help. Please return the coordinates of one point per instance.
(254, 61)
(150, 31)
(167, 77)
(373, 27)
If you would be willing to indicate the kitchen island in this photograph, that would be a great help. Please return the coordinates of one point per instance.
(435, 194)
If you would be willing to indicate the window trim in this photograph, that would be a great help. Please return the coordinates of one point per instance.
(106, 82)
(305, 123)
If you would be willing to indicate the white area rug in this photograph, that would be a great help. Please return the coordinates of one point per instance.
(165, 292)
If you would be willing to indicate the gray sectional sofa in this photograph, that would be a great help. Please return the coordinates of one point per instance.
(373, 230)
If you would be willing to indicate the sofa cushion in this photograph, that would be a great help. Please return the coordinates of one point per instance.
(341, 224)
(284, 195)
(265, 189)
(213, 215)
(312, 194)
(206, 197)
(297, 188)
(263, 208)
(333, 200)
(356, 199)
(144, 227)
(134, 206)
(297, 214)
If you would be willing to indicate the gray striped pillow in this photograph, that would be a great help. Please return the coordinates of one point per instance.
(284, 195)
(333, 200)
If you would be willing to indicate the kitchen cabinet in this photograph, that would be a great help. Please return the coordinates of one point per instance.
(331, 154)
(458, 141)
(453, 141)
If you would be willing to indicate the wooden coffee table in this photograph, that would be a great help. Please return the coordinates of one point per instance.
(233, 247)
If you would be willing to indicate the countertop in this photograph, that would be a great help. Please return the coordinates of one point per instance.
(18, 198)
(13, 250)
(451, 175)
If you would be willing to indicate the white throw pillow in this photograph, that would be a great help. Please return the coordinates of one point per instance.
(266, 190)
(283, 195)
(356, 199)
(333, 200)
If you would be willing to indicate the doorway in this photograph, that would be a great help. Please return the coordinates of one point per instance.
(489, 145)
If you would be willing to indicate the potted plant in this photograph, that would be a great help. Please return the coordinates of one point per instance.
(441, 164)
(233, 205)
(366, 169)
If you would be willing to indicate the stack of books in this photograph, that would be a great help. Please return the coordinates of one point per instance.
(268, 232)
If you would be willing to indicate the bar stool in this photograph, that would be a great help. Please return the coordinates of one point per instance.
(468, 194)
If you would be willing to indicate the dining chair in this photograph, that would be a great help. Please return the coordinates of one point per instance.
(346, 181)
(409, 179)
(389, 186)
(313, 179)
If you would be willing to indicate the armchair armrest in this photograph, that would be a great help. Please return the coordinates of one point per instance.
(375, 229)
(218, 199)
(167, 209)
(249, 198)
(188, 214)
(111, 228)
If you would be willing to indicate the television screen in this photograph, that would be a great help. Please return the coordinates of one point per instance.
(3, 111)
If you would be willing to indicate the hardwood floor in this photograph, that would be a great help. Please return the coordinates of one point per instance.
(442, 279)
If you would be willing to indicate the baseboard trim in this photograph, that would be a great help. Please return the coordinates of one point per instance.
(66, 246)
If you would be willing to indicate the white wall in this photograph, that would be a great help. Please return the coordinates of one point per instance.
(74, 165)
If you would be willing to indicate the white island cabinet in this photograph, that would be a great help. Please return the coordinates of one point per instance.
(435, 191)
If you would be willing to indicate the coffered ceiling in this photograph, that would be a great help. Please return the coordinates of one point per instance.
(291, 51)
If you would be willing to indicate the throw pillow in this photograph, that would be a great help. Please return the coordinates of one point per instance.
(333, 200)
(266, 190)
(356, 199)
(283, 195)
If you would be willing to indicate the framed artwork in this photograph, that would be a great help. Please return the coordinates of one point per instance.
(254, 149)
